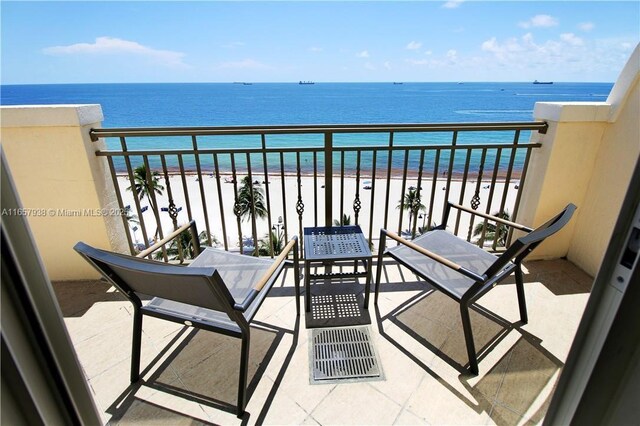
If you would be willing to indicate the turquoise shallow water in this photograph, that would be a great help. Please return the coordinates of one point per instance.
(223, 104)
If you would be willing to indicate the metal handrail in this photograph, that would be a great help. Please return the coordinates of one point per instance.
(540, 126)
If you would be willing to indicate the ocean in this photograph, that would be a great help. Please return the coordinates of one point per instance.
(225, 104)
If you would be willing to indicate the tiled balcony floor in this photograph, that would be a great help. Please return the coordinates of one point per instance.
(190, 377)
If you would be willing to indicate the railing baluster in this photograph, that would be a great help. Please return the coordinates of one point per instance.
(475, 201)
(237, 210)
(357, 204)
(373, 192)
(465, 175)
(136, 201)
(263, 141)
(220, 202)
(402, 192)
(492, 187)
(507, 179)
(389, 164)
(171, 208)
(419, 199)
(154, 204)
(185, 189)
(202, 196)
(252, 207)
(328, 179)
(299, 203)
(516, 205)
(452, 153)
(125, 221)
(284, 197)
(315, 188)
(341, 188)
(434, 185)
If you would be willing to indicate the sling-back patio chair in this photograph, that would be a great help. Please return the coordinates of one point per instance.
(464, 271)
(219, 291)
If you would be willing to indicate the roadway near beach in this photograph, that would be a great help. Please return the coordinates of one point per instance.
(313, 208)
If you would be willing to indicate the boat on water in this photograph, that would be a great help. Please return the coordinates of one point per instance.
(542, 82)
(306, 82)
(397, 82)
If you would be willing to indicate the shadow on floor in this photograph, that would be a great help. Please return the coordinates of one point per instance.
(526, 374)
(203, 367)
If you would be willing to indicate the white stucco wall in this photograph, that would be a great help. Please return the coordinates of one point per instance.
(587, 158)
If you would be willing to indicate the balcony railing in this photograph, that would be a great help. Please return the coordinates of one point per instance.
(370, 171)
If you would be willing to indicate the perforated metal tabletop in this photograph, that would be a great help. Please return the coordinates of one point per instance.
(336, 243)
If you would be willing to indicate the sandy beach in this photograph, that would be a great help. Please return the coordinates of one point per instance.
(283, 203)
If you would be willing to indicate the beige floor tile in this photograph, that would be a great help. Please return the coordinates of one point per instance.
(296, 384)
(353, 403)
(446, 401)
(406, 417)
(401, 376)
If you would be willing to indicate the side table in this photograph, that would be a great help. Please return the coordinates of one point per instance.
(330, 244)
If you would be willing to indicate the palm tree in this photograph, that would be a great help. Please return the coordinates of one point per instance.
(143, 188)
(411, 201)
(182, 243)
(272, 238)
(245, 198)
(131, 218)
(346, 220)
(492, 232)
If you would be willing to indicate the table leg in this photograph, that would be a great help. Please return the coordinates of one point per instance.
(307, 286)
(367, 285)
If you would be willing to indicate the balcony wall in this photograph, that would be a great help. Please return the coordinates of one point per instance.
(587, 158)
(65, 189)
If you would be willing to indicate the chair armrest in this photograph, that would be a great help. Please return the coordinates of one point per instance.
(146, 252)
(266, 277)
(446, 262)
(492, 218)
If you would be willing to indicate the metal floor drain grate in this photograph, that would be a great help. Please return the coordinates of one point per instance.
(342, 354)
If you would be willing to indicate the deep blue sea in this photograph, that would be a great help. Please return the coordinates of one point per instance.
(223, 104)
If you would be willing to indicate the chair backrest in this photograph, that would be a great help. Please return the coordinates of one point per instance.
(525, 245)
(134, 277)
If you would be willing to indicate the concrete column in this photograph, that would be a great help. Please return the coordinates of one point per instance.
(66, 190)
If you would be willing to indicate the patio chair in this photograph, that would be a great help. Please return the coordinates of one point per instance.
(219, 292)
(464, 271)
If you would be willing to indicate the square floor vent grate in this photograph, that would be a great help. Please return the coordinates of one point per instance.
(343, 354)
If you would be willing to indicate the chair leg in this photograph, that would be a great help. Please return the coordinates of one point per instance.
(468, 337)
(244, 366)
(307, 286)
(136, 344)
(522, 303)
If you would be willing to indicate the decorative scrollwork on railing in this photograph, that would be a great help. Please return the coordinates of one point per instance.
(237, 209)
(357, 206)
(475, 201)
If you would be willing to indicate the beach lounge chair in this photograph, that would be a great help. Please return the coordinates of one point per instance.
(464, 271)
(219, 292)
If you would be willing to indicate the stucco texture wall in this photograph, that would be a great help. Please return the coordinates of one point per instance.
(617, 155)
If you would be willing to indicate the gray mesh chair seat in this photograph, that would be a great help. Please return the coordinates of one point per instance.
(462, 270)
(453, 248)
(219, 292)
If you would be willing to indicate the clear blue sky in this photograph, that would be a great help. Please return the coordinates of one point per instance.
(102, 42)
